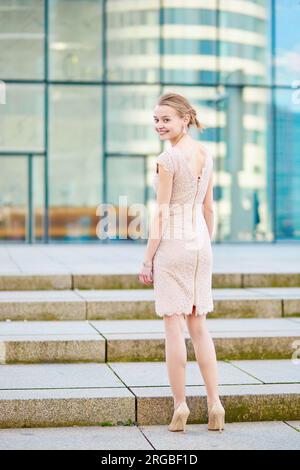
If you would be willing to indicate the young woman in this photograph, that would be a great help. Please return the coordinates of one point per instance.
(178, 258)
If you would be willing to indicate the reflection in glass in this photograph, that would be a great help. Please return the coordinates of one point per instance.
(22, 118)
(287, 165)
(130, 127)
(13, 198)
(75, 161)
(75, 39)
(246, 183)
(244, 42)
(126, 183)
(22, 38)
(189, 42)
(132, 38)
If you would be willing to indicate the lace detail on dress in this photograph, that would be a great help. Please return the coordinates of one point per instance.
(165, 159)
(197, 313)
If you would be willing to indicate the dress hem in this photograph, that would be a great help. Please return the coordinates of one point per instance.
(197, 313)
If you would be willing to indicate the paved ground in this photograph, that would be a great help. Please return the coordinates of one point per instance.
(126, 257)
(257, 435)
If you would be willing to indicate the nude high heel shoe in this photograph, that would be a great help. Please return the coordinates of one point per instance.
(216, 418)
(180, 417)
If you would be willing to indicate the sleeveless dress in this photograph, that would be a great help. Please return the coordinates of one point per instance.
(182, 264)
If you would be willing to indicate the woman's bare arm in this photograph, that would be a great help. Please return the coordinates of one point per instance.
(208, 207)
(161, 213)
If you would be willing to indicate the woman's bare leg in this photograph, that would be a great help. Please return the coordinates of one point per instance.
(176, 355)
(205, 354)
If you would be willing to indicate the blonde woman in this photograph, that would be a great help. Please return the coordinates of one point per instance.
(178, 257)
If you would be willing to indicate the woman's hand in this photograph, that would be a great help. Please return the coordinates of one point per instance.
(146, 275)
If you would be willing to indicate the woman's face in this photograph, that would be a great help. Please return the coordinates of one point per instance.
(167, 122)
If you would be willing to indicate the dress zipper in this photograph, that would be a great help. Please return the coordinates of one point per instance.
(197, 249)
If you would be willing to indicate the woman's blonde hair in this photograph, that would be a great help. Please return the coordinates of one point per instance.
(182, 106)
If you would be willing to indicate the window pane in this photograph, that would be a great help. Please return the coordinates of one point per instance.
(22, 118)
(75, 32)
(244, 47)
(130, 119)
(287, 165)
(287, 41)
(125, 178)
(22, 39)
(245, 175)
(13, 198)
(189, 47)
(133, 40)
(126, 183)
(75, 155)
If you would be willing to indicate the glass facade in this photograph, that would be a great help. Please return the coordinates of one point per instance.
(79, 80)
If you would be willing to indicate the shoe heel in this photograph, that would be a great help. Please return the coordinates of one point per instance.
(180, 417)
(216, 421)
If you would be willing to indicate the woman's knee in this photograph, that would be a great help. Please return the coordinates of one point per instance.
(196, 323)
(174, 323)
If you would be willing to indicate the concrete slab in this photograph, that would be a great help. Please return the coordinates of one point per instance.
(31, 328)
(38, 279)
(34, 376)
(249, 402)
(276, 292)
(236, 436)
(271, 371)
(139, 303)
(128, 326)
(75, 438)
(40, 295)
(228, 257)
(51, 349)
(274, 435)
(151, 374)
(222, 325)
(294, 424)
(116, 295)
(42, 305)
(266, 279)
(66, 407)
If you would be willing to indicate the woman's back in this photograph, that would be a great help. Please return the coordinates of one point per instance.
(191, 174)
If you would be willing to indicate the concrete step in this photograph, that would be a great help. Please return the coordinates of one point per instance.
(123, 279)
(141, 340)
(36, 342)
(106, 304)
(256, 435)
(51, 395)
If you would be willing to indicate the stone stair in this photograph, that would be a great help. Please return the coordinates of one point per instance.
(113, 304)
(104, 341)
(78, 349)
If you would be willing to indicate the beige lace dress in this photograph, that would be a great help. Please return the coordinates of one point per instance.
(182, 264)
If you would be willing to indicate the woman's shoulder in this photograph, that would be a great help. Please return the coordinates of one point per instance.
(166, 159)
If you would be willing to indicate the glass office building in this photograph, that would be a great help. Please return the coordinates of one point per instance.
(79, 82)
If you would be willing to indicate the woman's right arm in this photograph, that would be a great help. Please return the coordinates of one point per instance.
(208, 207)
